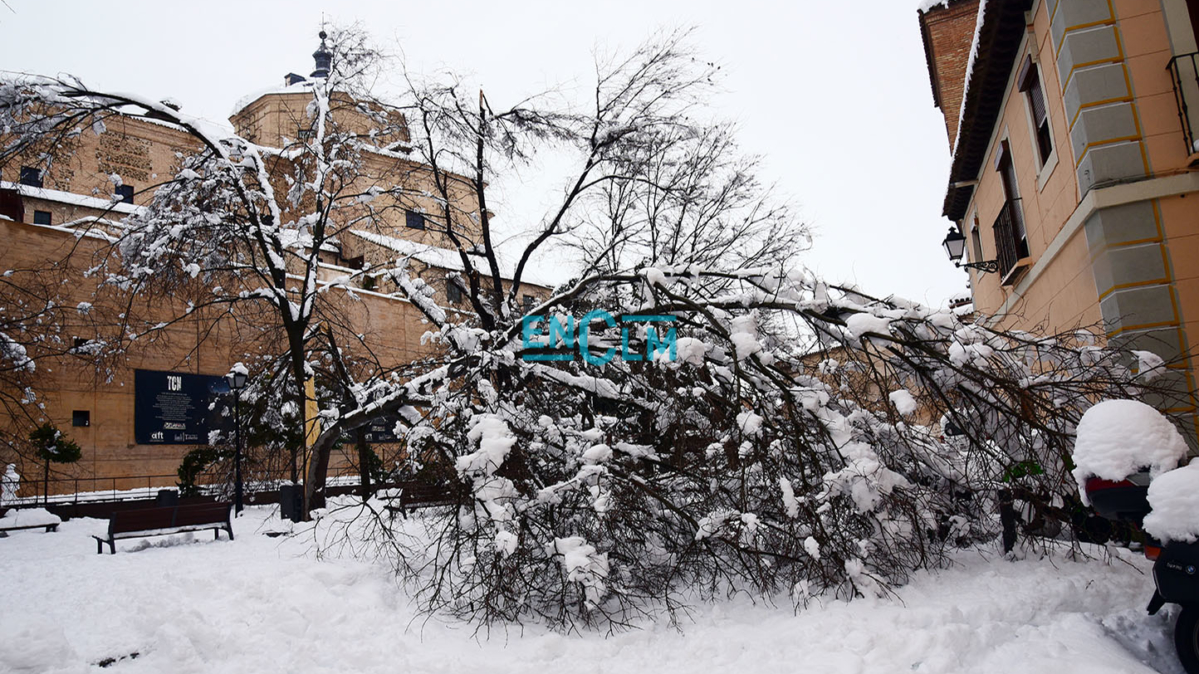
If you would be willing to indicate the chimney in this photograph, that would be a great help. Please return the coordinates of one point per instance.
(292, 78)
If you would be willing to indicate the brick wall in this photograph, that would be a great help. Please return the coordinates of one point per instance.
(950, 32)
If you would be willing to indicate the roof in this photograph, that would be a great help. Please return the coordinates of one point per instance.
(70, 198)
(430, 255)
(1001, 30)
(443, 258)
(245, 101)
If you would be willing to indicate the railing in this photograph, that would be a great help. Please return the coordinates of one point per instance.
(83, 489)
(74, 490)
(1184, 75)
(1010, 244)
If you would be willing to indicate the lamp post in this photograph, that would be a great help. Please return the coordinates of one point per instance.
(237, 381)
(955, 248)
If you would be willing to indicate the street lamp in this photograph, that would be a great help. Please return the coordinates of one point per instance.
(955, 248)
(237, 381)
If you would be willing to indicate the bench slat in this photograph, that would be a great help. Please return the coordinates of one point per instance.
(145, 522)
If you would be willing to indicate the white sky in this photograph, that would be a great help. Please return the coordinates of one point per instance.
(834, 94)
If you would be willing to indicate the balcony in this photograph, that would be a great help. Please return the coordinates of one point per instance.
(1184, 75)
(1011, 243)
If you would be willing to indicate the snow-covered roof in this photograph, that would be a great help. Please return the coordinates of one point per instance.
(243, 102)
(999, 32)
(430, 255)
(444, 258)
(289, 237)
(70, 198)
(978, 25)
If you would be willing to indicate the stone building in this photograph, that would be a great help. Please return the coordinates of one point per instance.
(1074, 178)
(107, 174)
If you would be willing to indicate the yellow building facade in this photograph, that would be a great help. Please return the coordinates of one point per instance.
(1075, 171)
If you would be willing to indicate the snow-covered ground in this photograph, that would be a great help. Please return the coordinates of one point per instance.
(259, 604)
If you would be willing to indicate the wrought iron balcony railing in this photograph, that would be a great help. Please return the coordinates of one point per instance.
(1011, 244)
(1184, 75)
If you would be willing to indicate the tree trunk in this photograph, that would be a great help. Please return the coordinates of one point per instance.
(1007, 517)
(314, 480)
(364, 469)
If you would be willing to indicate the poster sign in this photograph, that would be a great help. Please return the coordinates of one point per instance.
(378, 431)
(172, 408)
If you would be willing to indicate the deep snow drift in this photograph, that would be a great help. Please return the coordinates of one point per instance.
(259, 604)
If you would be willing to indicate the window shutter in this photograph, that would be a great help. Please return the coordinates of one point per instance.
(1037, 97)
(1028, 73)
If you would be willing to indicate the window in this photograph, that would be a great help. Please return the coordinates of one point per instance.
(453, 292)
(126, 193)
(31, 176)
(414, 220)
(79, 342)
(529, 303)
(1029, 82)
(1011, 241)
(81, 418)
(41, 217)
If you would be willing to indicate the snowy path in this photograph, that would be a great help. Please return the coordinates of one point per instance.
(261, 605)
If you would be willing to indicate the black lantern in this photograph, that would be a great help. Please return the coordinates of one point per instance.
(955, 248)
(237, 381)
(955, 245)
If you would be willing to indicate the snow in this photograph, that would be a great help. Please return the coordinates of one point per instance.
(71, 198)
(1174, 497)
(297, 88)
(860, 324)
(749, 423)
(10, 483)
(927, 5)
(27, 517)
(1116, 438)
(864, 478)
(789, 500)
(444, 258)
(978, 24)
(430, 255)
(189, 604)
(583, 565)
(743, 333)
(903, 401)
(654, 277)
(1150, 366)
(495, 441)
(690, 350)
(597, 454)
(812, 547)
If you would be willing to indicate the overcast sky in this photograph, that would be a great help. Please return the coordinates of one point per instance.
(834, 95)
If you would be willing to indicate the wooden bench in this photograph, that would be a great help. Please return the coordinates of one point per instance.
(48, 527)
(415, 495)
(169, 520)
(4, 529)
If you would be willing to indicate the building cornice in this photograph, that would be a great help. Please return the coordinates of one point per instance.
(1000, 35)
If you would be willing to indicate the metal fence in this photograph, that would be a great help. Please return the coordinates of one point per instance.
(73, 490)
